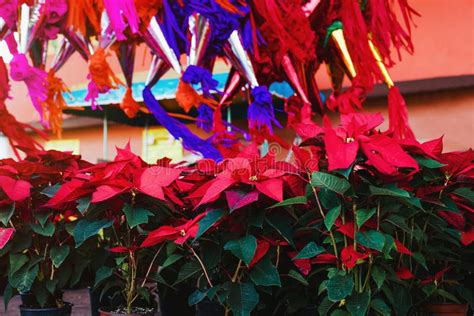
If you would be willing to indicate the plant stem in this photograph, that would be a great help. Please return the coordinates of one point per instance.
(333, 240)
(202, 266)
(369, 271)
(354, 210)
(378, 215)
(236, 273)
(151, 264)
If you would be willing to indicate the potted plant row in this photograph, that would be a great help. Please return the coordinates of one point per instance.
(359, 223)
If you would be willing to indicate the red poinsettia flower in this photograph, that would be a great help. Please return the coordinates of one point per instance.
(467, 237)
(357, 132)
(123, 249)
(436, 277)
(15, 189)
(458, 163)
(179, 234)
(324, 258)
(404, 274)
(350, 257)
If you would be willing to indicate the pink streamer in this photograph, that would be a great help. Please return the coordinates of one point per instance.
(35, 80)
(93, 93)
(117, 10)
(53, 15)
(8, 11)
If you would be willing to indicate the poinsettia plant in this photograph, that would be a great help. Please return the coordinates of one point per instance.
(35, 240)
(120, 201)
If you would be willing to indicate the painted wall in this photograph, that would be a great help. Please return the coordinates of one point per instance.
(444, 46)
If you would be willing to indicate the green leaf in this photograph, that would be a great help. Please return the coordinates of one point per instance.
(339, 312)
(265, 274)
(144, 293)
(339, 287)
(420, 259)
(363, 215)
(291, 201)
(23, 279)
(188, 269)
(324, 307)
(51, 286)
(208, 221)
(358, 303)
(298, 277)
(257, 217)
(85, 229)
(389, 190)
(103, 273)
(447, 295)
(83, 204)
(50, 191)
(42, 217)
(429, 163)
(17, 261)
(282, 225)
(378, 275)
(59, 254)
(331, 216)
(466, 193)
(242, 299)
(309, 251)
(371, 239)
(46, 230)
(136, 215)
(328, 181)
(7, 295)
(380, 307)
(196, 297)
(40, 293)
(243, 248)
(170, 260)
(6, 213)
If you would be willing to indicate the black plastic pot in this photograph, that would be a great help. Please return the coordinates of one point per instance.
(207, 308)
(28, 300)
(55, 311)
(174, 303)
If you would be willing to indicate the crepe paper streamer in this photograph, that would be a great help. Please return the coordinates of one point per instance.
(187, 97)
(101, 76)
(53, 13)
(398, 115)
(35, 80)
(122, 13)
(146, 9)
(179, 130)
(8, 12)
(260, 111)
(172, 29)
(205, 118)
(222, 21)
(128, 105)
(385, 29)
(55, 104)
(82, 13)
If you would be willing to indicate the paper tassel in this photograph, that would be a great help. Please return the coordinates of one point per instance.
(147, 9)
(233, 84)
(158, 68)
(101, 76)
(55, 104)
(82, 13)
(34, 78)
(398, 115)
(80, 42)
(122, 13)
(186, 96)
(129, 106)
(179, 130)
(260, 112)
(8, 12)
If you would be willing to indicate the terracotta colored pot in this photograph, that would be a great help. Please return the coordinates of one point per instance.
(105, 312)
(446, 309)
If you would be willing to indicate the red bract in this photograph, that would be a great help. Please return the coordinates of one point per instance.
(5, 235)
(153, 179)
(325, 258)
(458, 163)
(259, 173)
(262, 248)
(179, 234)
(404, 274)
(437, 277)
(357, 132)
(402, 249)
(15, 189)
(467, 237)
(350, 257)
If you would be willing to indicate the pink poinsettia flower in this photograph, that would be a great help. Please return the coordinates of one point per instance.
(5, 235)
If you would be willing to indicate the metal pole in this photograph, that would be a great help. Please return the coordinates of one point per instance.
(145, 145)
(105, 128)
